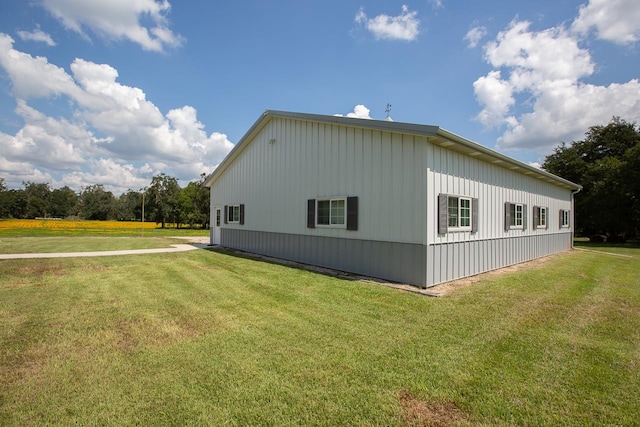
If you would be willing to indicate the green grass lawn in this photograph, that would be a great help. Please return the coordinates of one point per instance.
(208, 338)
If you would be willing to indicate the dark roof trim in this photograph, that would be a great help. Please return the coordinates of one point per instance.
(435, 134)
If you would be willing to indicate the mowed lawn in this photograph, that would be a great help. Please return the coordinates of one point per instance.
(210, 338)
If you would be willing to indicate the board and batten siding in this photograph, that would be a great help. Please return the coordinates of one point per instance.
(460, 254)
(291, 161)
(397, 172)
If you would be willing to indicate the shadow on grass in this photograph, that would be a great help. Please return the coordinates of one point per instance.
(583, 242)
(286, 263)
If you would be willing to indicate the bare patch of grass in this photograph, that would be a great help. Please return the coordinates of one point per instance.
(435, 413)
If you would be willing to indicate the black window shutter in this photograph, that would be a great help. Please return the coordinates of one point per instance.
(568, 218)
(311, 213)
(524, 217)
(226, 212)
(241, 214)
(443, 213)
(507, 216)
(352, 213)
(536, 216)
(546, 218)
(474, 215)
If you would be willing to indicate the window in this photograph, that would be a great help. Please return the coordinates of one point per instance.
(217, 217)
(564, 218)
(338, 213)
(540, 217)
(515, 216)
(234, 214)
(457, 213)
(331, 212)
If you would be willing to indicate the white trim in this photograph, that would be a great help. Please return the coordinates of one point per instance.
(216, 224)
(513, 215)
(331, 200)
(459, 213)
(542, 224)
(564, 223)
(230, 219)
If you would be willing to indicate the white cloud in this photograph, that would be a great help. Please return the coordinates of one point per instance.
(118, 19)
(116, 176)
(32, 77)
(474, 36)
(496, 95)
(15, 173)
(359, 112)
(402, 27)
(538, 56)
(36, 35)
(114, 136)
(546, 69)
(617, 21)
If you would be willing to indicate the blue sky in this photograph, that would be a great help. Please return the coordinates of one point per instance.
(113, 93)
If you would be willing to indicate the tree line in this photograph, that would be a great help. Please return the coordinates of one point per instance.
(163, 201)
(607, 165)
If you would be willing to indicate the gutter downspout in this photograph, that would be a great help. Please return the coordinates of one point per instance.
(573, 215)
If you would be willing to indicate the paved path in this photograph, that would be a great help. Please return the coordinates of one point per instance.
(174, 248)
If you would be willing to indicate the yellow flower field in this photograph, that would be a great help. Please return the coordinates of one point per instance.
(42, 227)
(51, 224)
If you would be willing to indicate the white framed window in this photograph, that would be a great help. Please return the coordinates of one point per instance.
(234, 214)
(564, 218)
(540, 217)
(337, 212)
(459, 213)
(331, 212)
(515, 216)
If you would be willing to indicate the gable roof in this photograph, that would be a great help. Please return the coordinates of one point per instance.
(434, 134)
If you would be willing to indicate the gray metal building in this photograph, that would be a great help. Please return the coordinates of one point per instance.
(403, 202)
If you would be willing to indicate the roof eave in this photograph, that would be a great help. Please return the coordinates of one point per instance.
(476, 150)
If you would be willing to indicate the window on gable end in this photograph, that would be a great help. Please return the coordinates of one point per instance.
(335, 213)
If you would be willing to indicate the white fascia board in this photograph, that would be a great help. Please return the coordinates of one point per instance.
(477, 150)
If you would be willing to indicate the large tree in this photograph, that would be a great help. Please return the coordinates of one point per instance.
(97, 203)
(64, 202)
(162, 198)
(607, 164)
(38, 198)
(129, 206)
(194, 203)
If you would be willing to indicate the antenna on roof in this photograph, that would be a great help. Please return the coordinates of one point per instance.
(388, 111)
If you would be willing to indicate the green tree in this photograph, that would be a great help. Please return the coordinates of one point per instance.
(15, 202)
(4, 205)
(97, 203)
(38, 199)
(129, 206)
(194, 203)
(162, 198)
(606, 163)
(64, 202)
